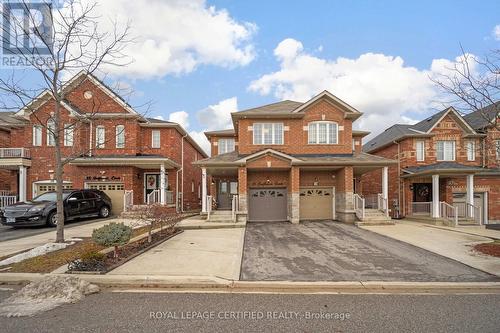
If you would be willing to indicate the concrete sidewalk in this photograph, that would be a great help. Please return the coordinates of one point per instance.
(84, 230)
(196, 222)
(206, 252)
(452, 243)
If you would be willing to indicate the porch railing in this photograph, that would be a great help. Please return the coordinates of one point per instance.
(382, 204)
(209, 206)
(234, 207)
(153, 197)
(128, 200)
(421, 208)
(169, 196)
(359, 206)
(371, 201)
(7, 200)
(449, 212)
(467, 211)
(14, 153)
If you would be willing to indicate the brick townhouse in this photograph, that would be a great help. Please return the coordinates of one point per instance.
(444, 161)
(290, 161)
(111, 147)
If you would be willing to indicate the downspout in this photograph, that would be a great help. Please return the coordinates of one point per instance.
(399, 180)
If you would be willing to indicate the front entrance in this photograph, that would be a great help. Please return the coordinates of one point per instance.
(151, 183)
(422, 192)
(267, 204)
(115, 192)
(317, 203)
(225, 191)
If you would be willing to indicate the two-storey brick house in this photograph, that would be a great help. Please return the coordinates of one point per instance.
(112, 148)
(288, 161)
(444, 161)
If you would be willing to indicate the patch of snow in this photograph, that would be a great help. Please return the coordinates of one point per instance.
(37, 251)
(75, 239)
(46, 294)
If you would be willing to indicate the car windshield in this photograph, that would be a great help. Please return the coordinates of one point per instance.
(49, 196)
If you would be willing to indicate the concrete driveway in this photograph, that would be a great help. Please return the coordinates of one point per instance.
(330, 251)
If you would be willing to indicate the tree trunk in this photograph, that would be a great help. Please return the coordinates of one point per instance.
(116, 251)
(59, 174)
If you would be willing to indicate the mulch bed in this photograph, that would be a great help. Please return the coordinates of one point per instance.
(491, 249)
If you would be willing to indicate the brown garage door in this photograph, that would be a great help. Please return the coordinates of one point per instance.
(316, 203)
(115, 191)
(267, 205)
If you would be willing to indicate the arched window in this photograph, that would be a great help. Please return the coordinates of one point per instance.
(51, 132)
(323, 132)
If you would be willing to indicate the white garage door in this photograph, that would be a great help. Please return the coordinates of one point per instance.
(316, 203)
(47, 187)
(115, 191)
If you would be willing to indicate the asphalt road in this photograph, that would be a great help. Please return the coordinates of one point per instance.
(331, 251)
(8, 233)
(154, 312)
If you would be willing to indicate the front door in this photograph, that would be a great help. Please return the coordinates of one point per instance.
(422, 192)
(151, 183)
(225, 191)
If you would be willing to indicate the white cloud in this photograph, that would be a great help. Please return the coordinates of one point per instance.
(158, 117)
(180, 117)
(218, 116)
(381, 86)
(174, 37)
(201, 139)
(496, 32)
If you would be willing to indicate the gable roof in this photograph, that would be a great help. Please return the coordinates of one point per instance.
(282, 107)
(332, 98)
(484, 117)
(421, 129)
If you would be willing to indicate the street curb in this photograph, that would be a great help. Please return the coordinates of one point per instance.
(201, 227)
(215, 284)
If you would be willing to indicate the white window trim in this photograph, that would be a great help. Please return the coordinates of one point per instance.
(223, 142)
(273, 137)
(316, 123)
(444, 151)
(68, 128)
(153, 143)
(51, 123)
(471, 151)
(37, 135)
(118, 134)
(420, 142)
(98, 143)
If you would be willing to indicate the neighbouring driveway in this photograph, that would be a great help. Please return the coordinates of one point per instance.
(203, 252)
(330, 251)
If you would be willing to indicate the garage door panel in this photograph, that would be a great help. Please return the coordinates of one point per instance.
(115, 192)
(267, 205)
(316, 203)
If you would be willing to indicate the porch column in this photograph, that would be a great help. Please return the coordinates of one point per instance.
(22, 183)
(435, 196)
(203, 190)
(470, 194)
(385, 186)
(163, 185)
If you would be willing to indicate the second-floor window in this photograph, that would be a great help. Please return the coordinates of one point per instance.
(155, 139)
(51, 133)
(120, 136)
(471, 150)
(323, 132)
(445, 150)
(37, 135)
(225, 145)
(420, 146)
(68, 135)
(267, 133)
(100, 136)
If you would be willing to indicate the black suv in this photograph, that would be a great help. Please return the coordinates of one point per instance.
(42, 209)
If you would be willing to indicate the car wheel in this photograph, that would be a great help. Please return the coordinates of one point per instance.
(104, 212)
(52, 219)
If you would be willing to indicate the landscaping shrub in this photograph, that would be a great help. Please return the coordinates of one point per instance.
(89, 261)
(113, 234)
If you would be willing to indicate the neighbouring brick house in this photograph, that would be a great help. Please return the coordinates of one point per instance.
(445, 161)
(112, 148)
(289, 161)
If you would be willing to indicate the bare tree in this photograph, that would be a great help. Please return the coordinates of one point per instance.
(74, 42)
(473, 84)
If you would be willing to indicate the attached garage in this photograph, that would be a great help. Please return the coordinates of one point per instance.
(115, 191)
(317, 203)
(40, 187)
(267, 205)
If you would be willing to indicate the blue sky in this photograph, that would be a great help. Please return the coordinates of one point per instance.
(388, 49)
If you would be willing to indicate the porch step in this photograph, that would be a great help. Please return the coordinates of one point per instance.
(374, 217)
